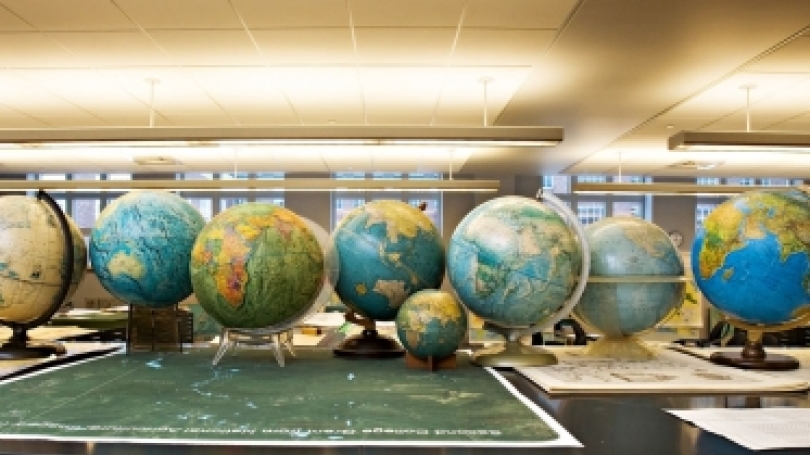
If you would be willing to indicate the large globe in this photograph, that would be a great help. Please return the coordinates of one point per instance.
(513, 261)
(623, 296)
(751, 260)
(257, 265)
(33, 263)
(388, 250)
(141, 245)
(431, 323)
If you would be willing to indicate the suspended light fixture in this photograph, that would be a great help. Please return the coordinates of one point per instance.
(664, 189)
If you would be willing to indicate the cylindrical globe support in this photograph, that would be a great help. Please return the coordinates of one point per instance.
(753, 355)
(513, 353)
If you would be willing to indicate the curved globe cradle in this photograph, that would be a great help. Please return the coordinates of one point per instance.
(19, 346)
(280, 336)
(513, 353)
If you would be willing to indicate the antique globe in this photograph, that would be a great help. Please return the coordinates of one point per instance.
(141, 245)
(431, 324)
(514, 262)
(36, 276)
(256, 266)
(388, 250)
(636, 281)
(751, 260)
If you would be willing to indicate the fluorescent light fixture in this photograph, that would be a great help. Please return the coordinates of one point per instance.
(489, 136)
(303, 184)
(740, 141)
(665, 189)
(156, 160)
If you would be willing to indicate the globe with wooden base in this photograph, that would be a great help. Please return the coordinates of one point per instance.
(751, 261)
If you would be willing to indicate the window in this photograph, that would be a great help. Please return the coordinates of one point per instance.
(590, 212)
(708, 181)
(204, 205)
(591, 179)
(774, 182)
(628, 209)
(702, 210)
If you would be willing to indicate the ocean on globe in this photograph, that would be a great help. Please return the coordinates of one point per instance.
(33, 263)
(431, 323)
(513, 261)
(624, 248)
(388, 250)
(751, 259)
(141, 245)
(257, 265)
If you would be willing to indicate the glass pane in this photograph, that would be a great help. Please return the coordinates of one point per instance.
(62, 203)
(557, 184)
(591, 179)
(708, 180)
(279, 201)
(197, 176)
(345, 205)
(270, 176)
(52, 177)
(590, 212)
(226, 203)
(350, 175)
(701, 212)
(232, 176)
(85, 212)
(86, 176)
(386, 175)
(119, 176)
(204, 205)
(775, 182)
(627, 209)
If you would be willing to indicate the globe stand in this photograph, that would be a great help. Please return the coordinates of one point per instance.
(629, 347)
(431, 363)
(19, 346)
(369, 344)
(753, 356)
(512, 353)
(276, 340)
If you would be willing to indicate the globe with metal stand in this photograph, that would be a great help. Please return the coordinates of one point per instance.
(521, 265)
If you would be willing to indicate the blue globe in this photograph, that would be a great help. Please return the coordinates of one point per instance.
(624, 251)
(431, 323)
(513, 261)
(751, 260)
(141, 245)
(388, 250)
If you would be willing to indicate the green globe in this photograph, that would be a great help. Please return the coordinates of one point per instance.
(141, 245)
(33, 263)
(751, 260)
(257, 265)
(431, 324)
(388, 250)
(635, 277)
(513, 261)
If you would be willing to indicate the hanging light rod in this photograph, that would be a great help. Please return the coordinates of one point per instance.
(491, 136)
(294, 185)
(664, 189)
(740, 141)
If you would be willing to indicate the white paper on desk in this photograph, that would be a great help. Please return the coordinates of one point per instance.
(330, 319)
(754, 428)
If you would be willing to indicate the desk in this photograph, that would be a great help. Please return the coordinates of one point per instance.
(606, 425)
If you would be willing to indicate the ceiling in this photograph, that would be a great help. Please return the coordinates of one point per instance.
(620, 76)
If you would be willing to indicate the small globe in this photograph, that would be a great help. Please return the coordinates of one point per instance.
(751, 260)
(513, 261)
(431, 324)
(32, 260)
(622, 297)
(257, 265)
(141, 245)
(388, 250)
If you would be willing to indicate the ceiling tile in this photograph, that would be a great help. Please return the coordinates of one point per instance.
(790, 58)
(463, 91)
(401, 95)
(185, 14)
(404, 46)
(71, 14)
(306, 46)
(482, 46)
(176, 93)
(28, 98)
(298, 13)
(411, 13)
(208, 47)
(73, 119)
(33, 50)
(322, 95)
(200, 120)
(550, 14)
(10, 22)
(20, 121)
(112, 49)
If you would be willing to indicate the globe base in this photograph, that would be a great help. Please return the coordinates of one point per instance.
(30, 350)
(753, 357)
(369, 344)
(619, 348)
(513, 354)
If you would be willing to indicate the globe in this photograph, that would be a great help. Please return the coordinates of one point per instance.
(635, 282)
(431, 323)
(751, 260)
(388, 250)
(33, 264)
(141, 245)
(514, 262)
(256, 265)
